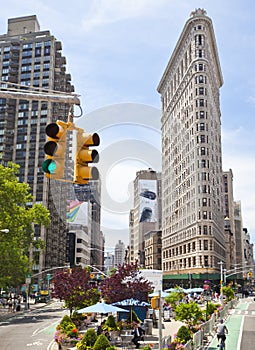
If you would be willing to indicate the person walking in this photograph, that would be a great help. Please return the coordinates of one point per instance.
(221, 332)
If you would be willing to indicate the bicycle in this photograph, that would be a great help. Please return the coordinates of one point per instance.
(222, 344)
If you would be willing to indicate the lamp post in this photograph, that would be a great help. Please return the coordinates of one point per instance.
(221, 280)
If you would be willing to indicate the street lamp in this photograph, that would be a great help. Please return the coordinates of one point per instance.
(221, 280)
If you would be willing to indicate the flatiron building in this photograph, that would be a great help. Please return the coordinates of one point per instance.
(193, 241)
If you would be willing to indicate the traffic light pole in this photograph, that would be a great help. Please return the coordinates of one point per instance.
(160, 321)
(38, 96)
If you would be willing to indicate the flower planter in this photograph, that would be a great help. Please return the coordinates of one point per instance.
(66, 346)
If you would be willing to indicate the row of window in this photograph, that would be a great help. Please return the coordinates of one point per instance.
(32, 121)
(182, 249)
(27, 46)
(195, 261)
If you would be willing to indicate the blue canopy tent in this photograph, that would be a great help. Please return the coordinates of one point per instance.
(140, 308)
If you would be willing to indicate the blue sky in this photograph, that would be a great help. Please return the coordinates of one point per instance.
(117, 51)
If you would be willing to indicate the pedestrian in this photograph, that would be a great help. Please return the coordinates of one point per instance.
(9, 302)
(100, 328)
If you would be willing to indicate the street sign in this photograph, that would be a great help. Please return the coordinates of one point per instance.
(28, 280)
(207, 297)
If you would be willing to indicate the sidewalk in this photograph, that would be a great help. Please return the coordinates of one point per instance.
(5, 314)
(168, 329)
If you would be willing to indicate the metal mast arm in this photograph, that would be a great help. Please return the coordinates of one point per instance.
(38, 96)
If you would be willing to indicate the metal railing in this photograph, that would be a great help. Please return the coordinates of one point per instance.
(206, 333)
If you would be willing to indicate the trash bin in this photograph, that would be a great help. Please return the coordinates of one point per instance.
(148, 326)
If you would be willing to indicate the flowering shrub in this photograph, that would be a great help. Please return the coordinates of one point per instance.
(66, 332)
(63, 338)
(148, 347)
(176, 344)
(126, 325)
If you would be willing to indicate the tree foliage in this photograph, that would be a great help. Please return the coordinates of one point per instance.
(228, 291)
(125, 283)
(73, 286)
(175, 297)
(189, 313)
(19, 216)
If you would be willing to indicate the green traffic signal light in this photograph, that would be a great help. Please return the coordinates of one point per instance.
(49, 166)
(55, 149)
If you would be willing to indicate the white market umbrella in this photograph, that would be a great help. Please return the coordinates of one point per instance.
(156, 294)
(101, 308)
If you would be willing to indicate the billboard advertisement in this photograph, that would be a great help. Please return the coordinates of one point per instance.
(77, 213)
(147, 190)
(155, 277)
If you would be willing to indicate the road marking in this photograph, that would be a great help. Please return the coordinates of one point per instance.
(240, 334)
(38, 330)
(35, 343)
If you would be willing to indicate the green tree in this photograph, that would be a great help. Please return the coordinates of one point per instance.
(19, 217)
(175, 297)
(189, 313)
(228, 291)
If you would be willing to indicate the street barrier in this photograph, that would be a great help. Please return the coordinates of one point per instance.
(207, 330)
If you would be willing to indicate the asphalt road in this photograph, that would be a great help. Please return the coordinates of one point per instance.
(32, 329)
(248, 334)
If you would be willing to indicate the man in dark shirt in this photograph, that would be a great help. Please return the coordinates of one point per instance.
(138, 335)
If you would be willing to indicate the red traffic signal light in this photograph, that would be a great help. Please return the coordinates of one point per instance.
(84, 155)
(55, 150)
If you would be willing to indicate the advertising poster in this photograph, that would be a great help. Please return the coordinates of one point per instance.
(147, 200)
(155, 277)
(77, 213)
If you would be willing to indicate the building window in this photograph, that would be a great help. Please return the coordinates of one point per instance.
(201, 79)
(202, 138)
(202, 126)
(201, 91)
(202, 151)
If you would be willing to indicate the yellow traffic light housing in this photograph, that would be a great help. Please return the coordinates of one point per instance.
(55, 150)
(84, 155)
(155, 303)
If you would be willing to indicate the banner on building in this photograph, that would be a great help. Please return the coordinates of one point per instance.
(77, 213)
(155, 277)
(147, 190)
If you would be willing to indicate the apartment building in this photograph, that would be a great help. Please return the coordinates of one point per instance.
(119, 253)
(32, 58)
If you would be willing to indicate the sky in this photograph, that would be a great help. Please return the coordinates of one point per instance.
(117, 51)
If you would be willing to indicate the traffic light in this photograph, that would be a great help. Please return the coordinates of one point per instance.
(249, 274)
(155, 302)
(84, 155)
(55, 149)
